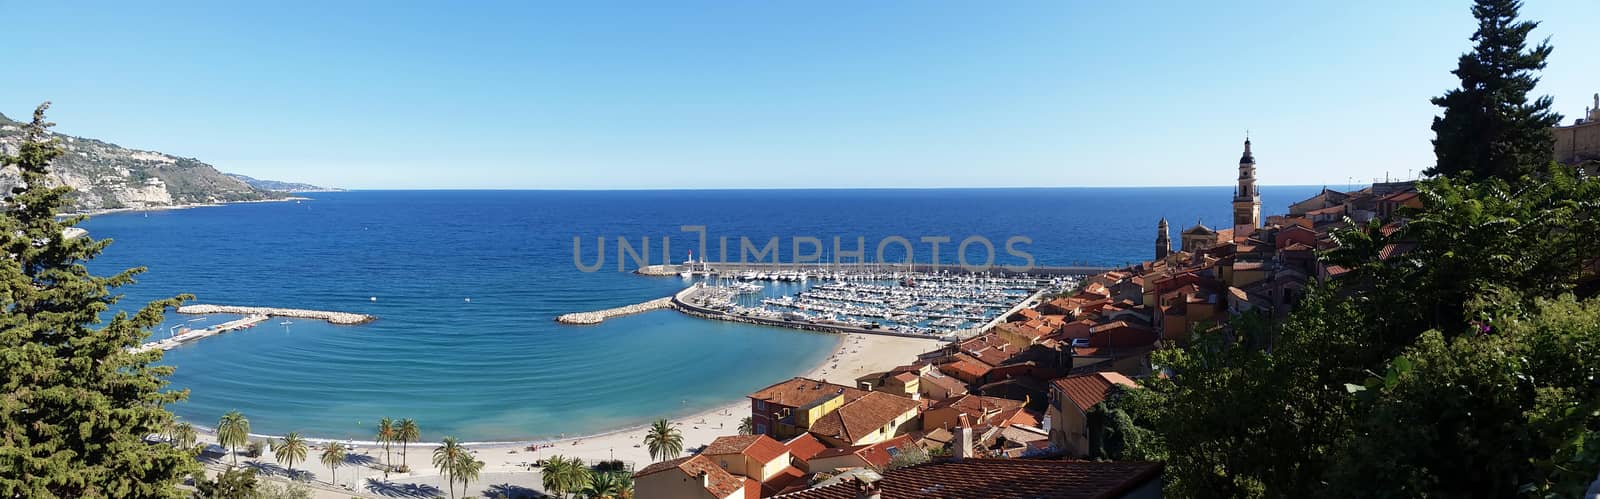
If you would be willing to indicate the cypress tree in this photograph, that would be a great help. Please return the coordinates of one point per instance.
(76, 403)
(1489, 128)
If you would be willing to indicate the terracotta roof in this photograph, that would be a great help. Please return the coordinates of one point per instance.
(990, 411)
(787, 479)
(805, 446)
(946, 382)
(1332, 210)
(904, 377)
(752, 488)
(878, 454)
(988, 348)
(1003, 478)
(799, 391)
(856, 419)
(722, 483)
(978, 403)
(761, 448)
(1392, 250)
(1086, 390)
(965, 365)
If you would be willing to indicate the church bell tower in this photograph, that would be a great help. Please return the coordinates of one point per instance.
(1163, 240)
(1246, 199)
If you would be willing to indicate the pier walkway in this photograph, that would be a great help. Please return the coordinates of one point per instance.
(596, 317)
(173, 342)
(1032, 300)
(341, 318)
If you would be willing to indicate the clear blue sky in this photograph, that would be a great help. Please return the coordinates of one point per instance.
(383, 94)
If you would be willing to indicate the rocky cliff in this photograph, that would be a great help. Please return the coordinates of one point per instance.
(107, 176)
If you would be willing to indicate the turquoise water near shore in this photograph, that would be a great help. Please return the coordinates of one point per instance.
(497, 367)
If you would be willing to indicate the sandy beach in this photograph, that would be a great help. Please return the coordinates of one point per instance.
(508, 467)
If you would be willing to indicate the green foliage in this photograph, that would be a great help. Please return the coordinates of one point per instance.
(232, 483)
(386, 434)
(664, 441)
(747, 426)
(1489, 129)
(233, 430)
(184, 435)
(1114, 434)
(466, 470)
(333, 457)
(1507, 414)
(405, 432)
(611, 485)
(562, 475)
(447, 458)
(270, 490)
(1453, 369)
(289, 450)
(78, 403)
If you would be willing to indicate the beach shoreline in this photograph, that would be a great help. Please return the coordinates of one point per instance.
(185, 206)
(852, 356)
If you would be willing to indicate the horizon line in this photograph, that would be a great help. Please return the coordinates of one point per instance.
(598, 189)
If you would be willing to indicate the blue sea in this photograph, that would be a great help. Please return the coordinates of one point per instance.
(465, 285)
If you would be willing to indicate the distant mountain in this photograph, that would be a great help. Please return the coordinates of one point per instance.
(107, 176)
(280, 186)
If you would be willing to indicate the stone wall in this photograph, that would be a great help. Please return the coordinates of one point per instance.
(1578, 143)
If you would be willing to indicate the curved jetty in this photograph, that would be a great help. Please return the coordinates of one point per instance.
(600, 315)
(342, 318)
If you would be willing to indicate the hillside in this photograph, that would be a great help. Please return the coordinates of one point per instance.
(280, 186)
(107, 176)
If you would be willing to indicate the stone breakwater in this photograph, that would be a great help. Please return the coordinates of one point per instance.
(341, 318)
(659, 270)
(600, 315)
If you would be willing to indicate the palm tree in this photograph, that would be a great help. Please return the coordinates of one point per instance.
(467, 470)
(184, 436)
(333, 458)
(290, 449)
(664, 441)
(385, 435)
(406, 433)
(746, 426)
(563, 475)
(446, 458)
(611, 485)
(232, 431)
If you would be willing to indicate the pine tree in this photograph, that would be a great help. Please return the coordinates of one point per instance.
(1489, 128)
(78, 403)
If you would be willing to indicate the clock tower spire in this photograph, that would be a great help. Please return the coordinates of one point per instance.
(1246, 199)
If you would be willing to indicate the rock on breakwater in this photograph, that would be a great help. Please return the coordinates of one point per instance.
(342, 318)
(600, 315)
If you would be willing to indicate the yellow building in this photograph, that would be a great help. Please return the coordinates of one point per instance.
(758, 457)
(873, 418)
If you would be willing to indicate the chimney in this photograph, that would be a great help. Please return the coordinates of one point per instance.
(867, 490)
(964, 442)
(705, 480)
